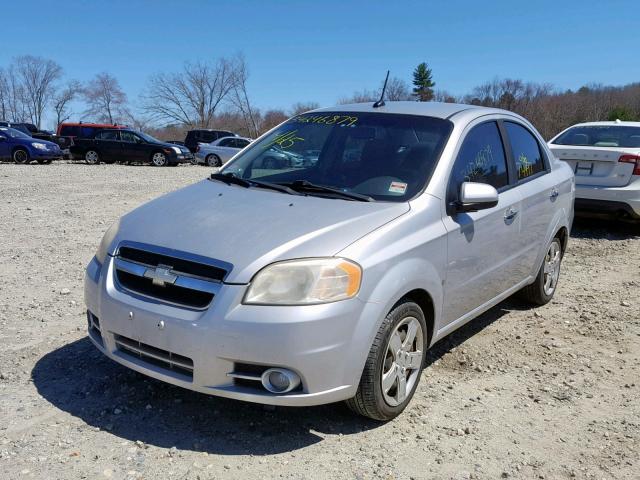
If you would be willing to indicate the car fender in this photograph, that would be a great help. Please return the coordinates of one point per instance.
(562, 217)
(412, 273)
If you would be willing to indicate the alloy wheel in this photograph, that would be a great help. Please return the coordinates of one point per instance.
(92, 157)
(159, 159)
(552, 267)
(20, 156)
(402, 360)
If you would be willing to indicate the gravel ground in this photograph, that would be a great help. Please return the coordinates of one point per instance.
(518, 393)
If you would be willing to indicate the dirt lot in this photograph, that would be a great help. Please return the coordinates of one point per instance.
(517, 393)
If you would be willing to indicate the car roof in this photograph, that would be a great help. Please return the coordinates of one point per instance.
(621, 123)
(235, 137)
(429, 109)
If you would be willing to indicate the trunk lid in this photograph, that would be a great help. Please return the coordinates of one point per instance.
(597, 166)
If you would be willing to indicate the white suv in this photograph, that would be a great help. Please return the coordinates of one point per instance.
(605, 157)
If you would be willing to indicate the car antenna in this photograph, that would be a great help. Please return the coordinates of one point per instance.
(380, 103)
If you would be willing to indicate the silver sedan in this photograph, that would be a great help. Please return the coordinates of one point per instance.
(220, 151)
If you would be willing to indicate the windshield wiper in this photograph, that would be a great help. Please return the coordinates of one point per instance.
(305, 186)
(231, 179)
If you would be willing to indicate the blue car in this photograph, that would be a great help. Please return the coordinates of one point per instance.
(21, 148)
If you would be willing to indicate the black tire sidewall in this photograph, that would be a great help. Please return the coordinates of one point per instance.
(92, 163)
(13, 155)
(399, 313)
(166, 160)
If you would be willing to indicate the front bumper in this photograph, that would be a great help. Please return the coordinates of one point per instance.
(183, 158)
(598, 199)
(323, 344)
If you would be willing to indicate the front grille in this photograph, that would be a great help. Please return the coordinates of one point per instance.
(155, 356)
(170, 276)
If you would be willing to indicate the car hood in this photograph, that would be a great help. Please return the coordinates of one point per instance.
(50, 145)
(171, 145)
(251, 228)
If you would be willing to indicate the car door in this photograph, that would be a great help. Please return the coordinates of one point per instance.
(107, 143)
(226, 149)
(482, 246)
(134, 148)
(538, 189)
(4, 144)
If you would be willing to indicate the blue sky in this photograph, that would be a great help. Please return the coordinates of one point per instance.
(321, 51)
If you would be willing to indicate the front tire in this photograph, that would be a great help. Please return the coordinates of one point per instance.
(541, 291)
(91, 157)
(392, 371)
(21, 156)
(159, 159)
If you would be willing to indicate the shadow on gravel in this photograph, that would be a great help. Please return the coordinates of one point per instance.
(78, 379)
(605, 229)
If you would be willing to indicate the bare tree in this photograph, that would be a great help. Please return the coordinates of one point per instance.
(37, 76)
(301, 107)
(191, 96)
(63, 98)
(397, 90)
(105, 99)
(4, 95)
(240, 97)
(271, 118)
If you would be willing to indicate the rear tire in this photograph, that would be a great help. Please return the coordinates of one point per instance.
(213, 161)
(393, 368)
(543, 288)
(91, 157)
(21, 156)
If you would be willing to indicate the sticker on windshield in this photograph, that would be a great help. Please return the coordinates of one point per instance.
(398, 187)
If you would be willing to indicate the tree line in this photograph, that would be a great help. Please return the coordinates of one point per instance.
(214, 94)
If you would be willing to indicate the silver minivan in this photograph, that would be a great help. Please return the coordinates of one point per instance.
(310, 282)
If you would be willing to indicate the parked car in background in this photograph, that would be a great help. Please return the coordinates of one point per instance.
(125, 145)
(219, 152)
(204, 136)
(330, 282)
(22, 148)
(16, 126)
(605, 158)
(68, 131)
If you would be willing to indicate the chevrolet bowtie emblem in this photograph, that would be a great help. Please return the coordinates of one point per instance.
(161, 275)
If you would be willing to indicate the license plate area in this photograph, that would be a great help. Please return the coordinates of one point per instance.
(584, 168)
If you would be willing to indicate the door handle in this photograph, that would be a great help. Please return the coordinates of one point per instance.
(554, 193)
(510, 213)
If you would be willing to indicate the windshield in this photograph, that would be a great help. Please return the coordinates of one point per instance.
(149, 138)
(387, 157)
(601, 136)
(13, 133)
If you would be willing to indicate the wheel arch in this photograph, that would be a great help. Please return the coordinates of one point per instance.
(424, 300)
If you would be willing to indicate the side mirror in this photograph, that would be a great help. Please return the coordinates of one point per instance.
(476, 196)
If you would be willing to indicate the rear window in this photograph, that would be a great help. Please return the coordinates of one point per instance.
(601, 136)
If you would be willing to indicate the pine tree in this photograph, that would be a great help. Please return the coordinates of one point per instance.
(423, 82)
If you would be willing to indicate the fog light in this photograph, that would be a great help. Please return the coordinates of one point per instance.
(280, 380)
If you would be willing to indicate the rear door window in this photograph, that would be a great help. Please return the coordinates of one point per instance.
(527, 153)
(227, 142)
(107, 135)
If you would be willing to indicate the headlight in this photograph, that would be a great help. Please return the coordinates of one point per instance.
(39, 146)
(305, 282)
(107, 239)
(177, 150)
